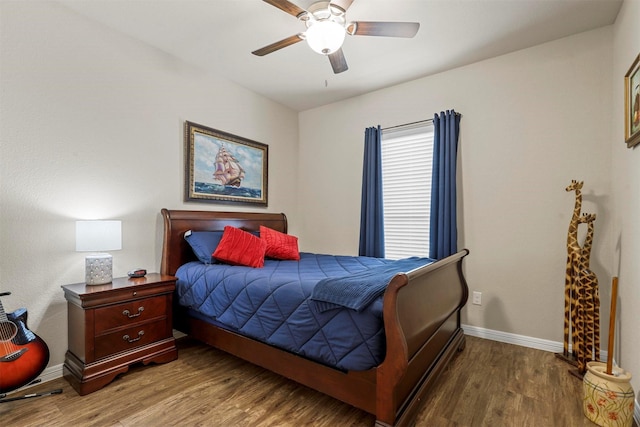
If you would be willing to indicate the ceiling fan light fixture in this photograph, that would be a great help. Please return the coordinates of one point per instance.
(325, 37)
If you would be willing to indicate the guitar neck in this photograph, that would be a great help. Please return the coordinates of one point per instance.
(3, 315)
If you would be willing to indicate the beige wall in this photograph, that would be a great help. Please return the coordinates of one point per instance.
(91, 126)
(531, 122)
(626, 200)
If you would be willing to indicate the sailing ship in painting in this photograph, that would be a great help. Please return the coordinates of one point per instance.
(223, 167)
(227, 178)
(228, 170)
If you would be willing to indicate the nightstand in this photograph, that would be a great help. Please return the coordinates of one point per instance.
(115, 325)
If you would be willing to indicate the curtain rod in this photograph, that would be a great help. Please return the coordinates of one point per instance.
(414, 123)
(409, 124)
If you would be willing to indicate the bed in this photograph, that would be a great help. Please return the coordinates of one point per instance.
(420, 313)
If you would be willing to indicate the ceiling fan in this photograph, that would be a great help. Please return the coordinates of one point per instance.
(327, 27)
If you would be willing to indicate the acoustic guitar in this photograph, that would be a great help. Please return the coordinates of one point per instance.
(23, 354)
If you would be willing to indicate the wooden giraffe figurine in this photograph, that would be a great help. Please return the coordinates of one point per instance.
(573, 255)
(578, 294)
(588, 324)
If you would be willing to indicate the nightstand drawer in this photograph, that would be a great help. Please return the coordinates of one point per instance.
(128, 313)
(126, 339)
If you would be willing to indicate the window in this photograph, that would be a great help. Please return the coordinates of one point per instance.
(407, 153)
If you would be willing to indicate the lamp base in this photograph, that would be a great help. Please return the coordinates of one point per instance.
(98, 269)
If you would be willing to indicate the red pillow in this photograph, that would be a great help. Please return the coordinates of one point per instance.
(237, 247)
(279, 245)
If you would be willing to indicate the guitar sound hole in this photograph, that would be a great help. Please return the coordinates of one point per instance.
(8, 330)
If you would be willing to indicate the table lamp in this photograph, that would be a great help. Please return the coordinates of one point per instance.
(97, 237)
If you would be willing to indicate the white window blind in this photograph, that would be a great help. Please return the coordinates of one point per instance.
(407, 154)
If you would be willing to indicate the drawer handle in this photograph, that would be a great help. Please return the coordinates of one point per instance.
(129, 339)
(131, 316)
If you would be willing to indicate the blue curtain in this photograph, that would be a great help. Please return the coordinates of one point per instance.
(443, 234)
(371, 210)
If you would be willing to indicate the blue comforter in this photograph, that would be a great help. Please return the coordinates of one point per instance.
(273, 304)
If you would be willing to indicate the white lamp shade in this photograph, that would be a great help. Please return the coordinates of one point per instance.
(96, 236)
(325, 37)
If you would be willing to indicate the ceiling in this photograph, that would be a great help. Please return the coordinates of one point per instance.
(219, 35)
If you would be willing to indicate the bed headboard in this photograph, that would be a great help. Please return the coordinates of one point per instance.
(175, 249)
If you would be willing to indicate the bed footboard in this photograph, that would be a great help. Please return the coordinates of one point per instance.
(422, 326)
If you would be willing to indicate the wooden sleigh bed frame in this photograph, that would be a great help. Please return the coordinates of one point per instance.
(421, 317)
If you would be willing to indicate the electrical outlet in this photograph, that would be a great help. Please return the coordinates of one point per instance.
(477, 298)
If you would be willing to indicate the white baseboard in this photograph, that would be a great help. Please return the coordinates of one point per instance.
(51, 373)
(54, 372)
(521, 340)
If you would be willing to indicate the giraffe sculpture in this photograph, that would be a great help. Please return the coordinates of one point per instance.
(573, 256)
(588, 322)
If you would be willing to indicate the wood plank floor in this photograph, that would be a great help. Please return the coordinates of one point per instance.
(488, 384)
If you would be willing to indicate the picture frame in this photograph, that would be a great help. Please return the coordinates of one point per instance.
(224, 168)
(632, 104)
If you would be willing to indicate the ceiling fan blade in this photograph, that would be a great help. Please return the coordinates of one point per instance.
(385, 29)
(286, 6)
(338, 63)
(343, 4)
(278, 45)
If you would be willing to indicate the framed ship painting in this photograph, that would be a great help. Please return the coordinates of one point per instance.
(224, 168)
(632, 104)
